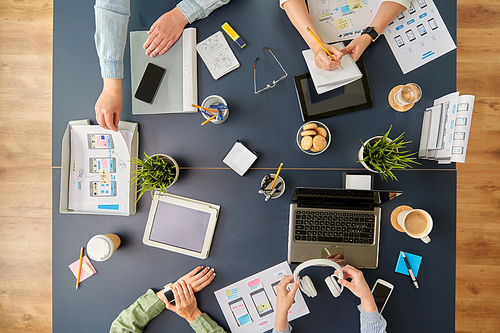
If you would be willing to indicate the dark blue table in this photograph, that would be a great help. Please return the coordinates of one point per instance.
(251, 235)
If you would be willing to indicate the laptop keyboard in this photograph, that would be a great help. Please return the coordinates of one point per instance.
(337, 227)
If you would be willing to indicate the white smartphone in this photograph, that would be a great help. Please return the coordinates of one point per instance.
(381, 292)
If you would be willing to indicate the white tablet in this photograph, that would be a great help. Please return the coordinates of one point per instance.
(181, 225)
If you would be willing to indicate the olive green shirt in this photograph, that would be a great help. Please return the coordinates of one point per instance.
(145, 308)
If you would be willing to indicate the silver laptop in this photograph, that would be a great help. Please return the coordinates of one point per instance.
(343, 224)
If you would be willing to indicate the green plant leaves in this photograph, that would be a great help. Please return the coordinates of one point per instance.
(152, 173)
(383, 155)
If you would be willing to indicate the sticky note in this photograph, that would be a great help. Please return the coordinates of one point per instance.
(341, 23)
(355, 4)
(414, 261)
(87, 269)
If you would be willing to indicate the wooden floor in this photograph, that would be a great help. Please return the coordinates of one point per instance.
(25, 167)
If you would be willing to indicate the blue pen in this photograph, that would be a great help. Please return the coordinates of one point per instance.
(206, 114)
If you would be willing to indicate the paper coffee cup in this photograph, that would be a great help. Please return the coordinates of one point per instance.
(417, 223)
(101, 247)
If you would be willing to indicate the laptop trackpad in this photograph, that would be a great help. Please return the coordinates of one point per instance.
(334, 253)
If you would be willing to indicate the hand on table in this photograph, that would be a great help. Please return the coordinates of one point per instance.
(185, 302)
(284, 301)
(357, 46)
(109, 104)
(324, 61)
(198, 278)
(358, 287)
(165, 32)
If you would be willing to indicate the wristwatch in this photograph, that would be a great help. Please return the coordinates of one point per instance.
(371, 31)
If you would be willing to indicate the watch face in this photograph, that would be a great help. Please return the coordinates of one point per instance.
(169, 295)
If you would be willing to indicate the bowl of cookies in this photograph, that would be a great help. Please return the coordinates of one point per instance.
(313, 137)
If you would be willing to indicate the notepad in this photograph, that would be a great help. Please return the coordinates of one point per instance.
(87, 269)
(414, 261)
(217, 55)
(328, 80)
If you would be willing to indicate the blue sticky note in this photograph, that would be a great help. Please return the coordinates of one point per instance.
(414, 261)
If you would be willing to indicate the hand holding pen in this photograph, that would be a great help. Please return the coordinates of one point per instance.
(327, 57)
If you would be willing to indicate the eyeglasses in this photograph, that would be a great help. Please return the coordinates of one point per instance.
(275, 82)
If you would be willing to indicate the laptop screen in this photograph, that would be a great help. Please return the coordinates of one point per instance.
(342, 198)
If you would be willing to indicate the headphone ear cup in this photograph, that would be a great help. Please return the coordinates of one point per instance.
(334, 286)
(308, 287)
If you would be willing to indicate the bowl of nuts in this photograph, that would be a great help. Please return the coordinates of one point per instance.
(313, 137)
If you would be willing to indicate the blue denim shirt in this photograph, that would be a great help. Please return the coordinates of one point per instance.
(111, 25)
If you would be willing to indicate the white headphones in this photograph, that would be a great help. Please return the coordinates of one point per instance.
(306, 284)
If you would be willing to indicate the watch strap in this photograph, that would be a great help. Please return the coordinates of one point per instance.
(371, 32)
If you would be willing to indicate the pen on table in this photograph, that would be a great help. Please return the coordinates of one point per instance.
(276, 177)
(333, 57)
(413, 278)
(206, 121)
(79, 268)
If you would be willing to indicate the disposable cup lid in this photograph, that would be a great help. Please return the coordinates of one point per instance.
(98, 247)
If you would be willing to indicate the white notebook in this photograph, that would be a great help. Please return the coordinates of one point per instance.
(217, 55)
(328, 80)
(179, 88)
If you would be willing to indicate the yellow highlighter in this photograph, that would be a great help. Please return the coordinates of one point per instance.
(230, 31)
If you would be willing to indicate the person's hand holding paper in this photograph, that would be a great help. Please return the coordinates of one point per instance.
(108, 107)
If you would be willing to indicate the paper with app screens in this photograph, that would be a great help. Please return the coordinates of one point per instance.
(100, 169)
(249, 305)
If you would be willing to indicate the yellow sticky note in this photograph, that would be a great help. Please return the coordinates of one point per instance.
(341, 23)
(228, 292)
(104, 177)
(355, 4)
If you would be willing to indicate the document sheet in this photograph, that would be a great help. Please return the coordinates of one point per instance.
(100, 169)
(249, 305)
(418, 35)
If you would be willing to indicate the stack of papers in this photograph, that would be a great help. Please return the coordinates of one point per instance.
(328, 80)
(217, 55)
(445, 129)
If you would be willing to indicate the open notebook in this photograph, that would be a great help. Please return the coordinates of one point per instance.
(179, 88)
(328, 80)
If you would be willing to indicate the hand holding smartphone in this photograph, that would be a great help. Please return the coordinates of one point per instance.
(381, 292)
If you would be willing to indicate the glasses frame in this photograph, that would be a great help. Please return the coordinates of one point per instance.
(275, 82)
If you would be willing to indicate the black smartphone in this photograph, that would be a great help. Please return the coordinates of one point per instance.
(150, 82)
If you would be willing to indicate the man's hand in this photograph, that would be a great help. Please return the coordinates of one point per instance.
(324, 61)
(198, 278)
(358, 287)
(284, 301)
(109, 105)
(185, 302)
(165, 32)
(357, 46)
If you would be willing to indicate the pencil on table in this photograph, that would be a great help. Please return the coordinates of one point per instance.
(79, 268)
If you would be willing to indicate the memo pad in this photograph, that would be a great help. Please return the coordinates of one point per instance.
(181, 225)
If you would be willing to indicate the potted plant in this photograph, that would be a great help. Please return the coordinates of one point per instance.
(381, 154)
(158, 171)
